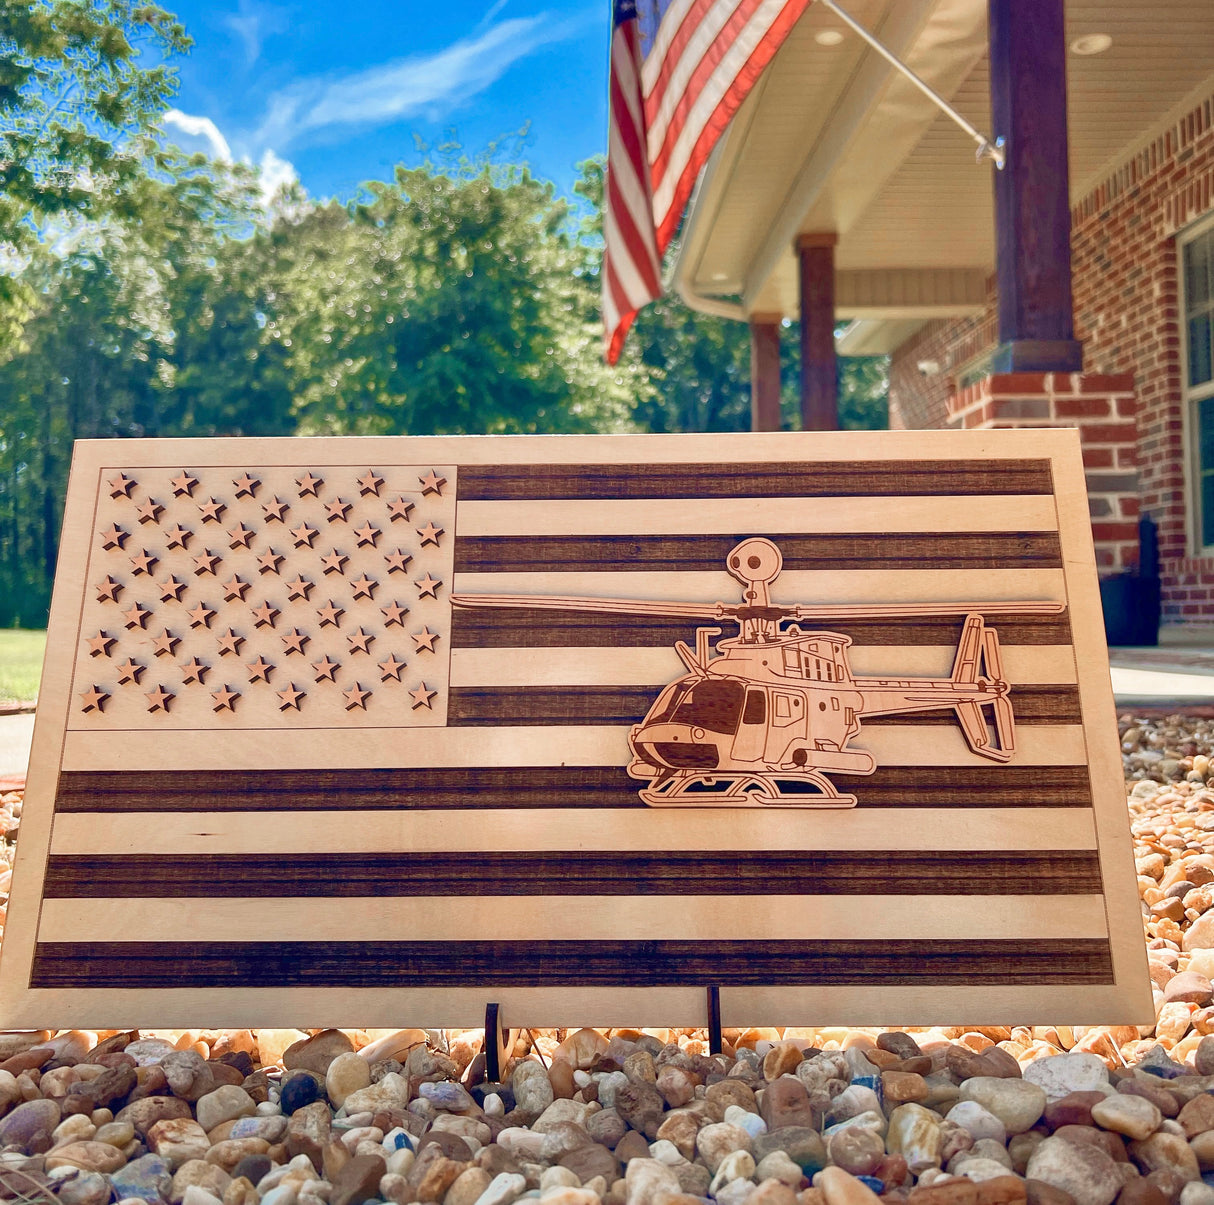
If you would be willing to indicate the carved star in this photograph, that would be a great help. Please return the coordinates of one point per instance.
(430, 534)
(274, 510)
(299, 588)
(294, 641)
(330, 613)
(234, 588)
(142, 562)
(112, 537)
(398, 561)
(108, 590)
(432, 483)
(360, 641)
(184, 485)
(159, 699)
(164, 644)
(259, 670)
(201, 616)
(211, 510)
(194, 670)
(149, 511)
(370, 483)
(178, 536)
(334, 562)
(136, 617)
(229, 642)
(326, 669)
(99, 645)
(399, 508)
(308, 484)
(304, 535)
(289, 698)
(367, 535)
(170, 589)
(240, 536)
(424, 640)
(269, 561)
(394, 613)
(246, 485)
(265, 615)
(337, 510)
(206, 561)
(355, 697)
(364, 587)
(427, 586)
(94, 699)
(121, 486)
(224, 698)
(421, 697)
(391, 669)
(129, 671)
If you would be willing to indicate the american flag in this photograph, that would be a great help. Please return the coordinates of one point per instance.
(278, 776)
(679, 70)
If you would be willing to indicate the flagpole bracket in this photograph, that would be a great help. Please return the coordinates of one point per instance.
(715, 1043)
(496, 1044)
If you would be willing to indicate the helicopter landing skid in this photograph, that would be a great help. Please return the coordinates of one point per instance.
(694, 790)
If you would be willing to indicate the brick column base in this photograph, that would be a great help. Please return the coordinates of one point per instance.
(1102, 408)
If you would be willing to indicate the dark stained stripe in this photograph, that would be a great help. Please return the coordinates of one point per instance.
(880, 478)
(575, 872)
(521, 627)
(500, 705)
(686, 554)
(109, 791)
(351, 964)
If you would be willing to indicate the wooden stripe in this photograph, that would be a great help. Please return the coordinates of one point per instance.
(99, 965)
(574, 872)
(705, 553)
(756, 918)
(542, 787)
(634, 829)
(517, 627)
(888, 478)
(776, 517)
(491, 705)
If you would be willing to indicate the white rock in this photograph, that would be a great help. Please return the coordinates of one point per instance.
(1133, 1116)
(980, 1169)
(1061, 1074)
(504, 1188)
(979, 1121)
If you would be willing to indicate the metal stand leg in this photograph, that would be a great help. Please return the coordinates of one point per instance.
(493, 1044)
(715, 1044)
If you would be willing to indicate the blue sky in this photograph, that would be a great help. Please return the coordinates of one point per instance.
(335, 92)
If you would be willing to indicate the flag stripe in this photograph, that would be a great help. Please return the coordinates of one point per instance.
(520, 627)
(768, 479)
(568, 963)
(151, 791)
(606, 872)
(629, 705)
(707, 554)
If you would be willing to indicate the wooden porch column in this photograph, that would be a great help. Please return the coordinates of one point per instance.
(1032, 198)
(819, 372)
(765, 372)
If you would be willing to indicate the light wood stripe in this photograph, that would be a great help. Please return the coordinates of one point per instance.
(892, 745)
(590, 666)
(587, 918)
(276, 832)
(773, 516)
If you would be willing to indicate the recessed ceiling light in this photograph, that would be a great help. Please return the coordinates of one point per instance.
(828, 37)
(1091, 43)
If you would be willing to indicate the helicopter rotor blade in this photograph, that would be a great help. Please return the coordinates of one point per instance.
(845, 611)
(610, 606)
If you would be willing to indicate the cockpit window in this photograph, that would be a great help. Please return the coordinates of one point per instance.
(712, 703)
(668, 701)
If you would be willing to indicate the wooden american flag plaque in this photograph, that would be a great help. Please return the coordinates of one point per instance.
(377, 731)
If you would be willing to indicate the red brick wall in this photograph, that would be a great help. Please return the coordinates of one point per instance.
(1126, 293)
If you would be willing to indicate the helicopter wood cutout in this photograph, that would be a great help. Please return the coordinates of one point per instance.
(766, 720)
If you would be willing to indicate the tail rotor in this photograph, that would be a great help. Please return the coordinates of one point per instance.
(979, 663)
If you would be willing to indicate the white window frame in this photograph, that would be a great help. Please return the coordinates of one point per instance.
(1191, 397)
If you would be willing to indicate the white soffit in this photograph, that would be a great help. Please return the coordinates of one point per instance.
(833, 139)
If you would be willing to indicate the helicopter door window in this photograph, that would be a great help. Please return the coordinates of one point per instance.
(792, 662)
(787, 708)
(756, 708)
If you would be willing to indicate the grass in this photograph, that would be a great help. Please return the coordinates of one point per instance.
(20, 664)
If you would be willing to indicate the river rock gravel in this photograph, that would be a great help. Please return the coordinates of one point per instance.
(1050, 1115)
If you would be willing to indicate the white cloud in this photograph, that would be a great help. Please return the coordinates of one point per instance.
(275, 172)
(200, 127)
(404, 87)
(252, 23)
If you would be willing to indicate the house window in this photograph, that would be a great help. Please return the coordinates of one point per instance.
(1197, 274)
